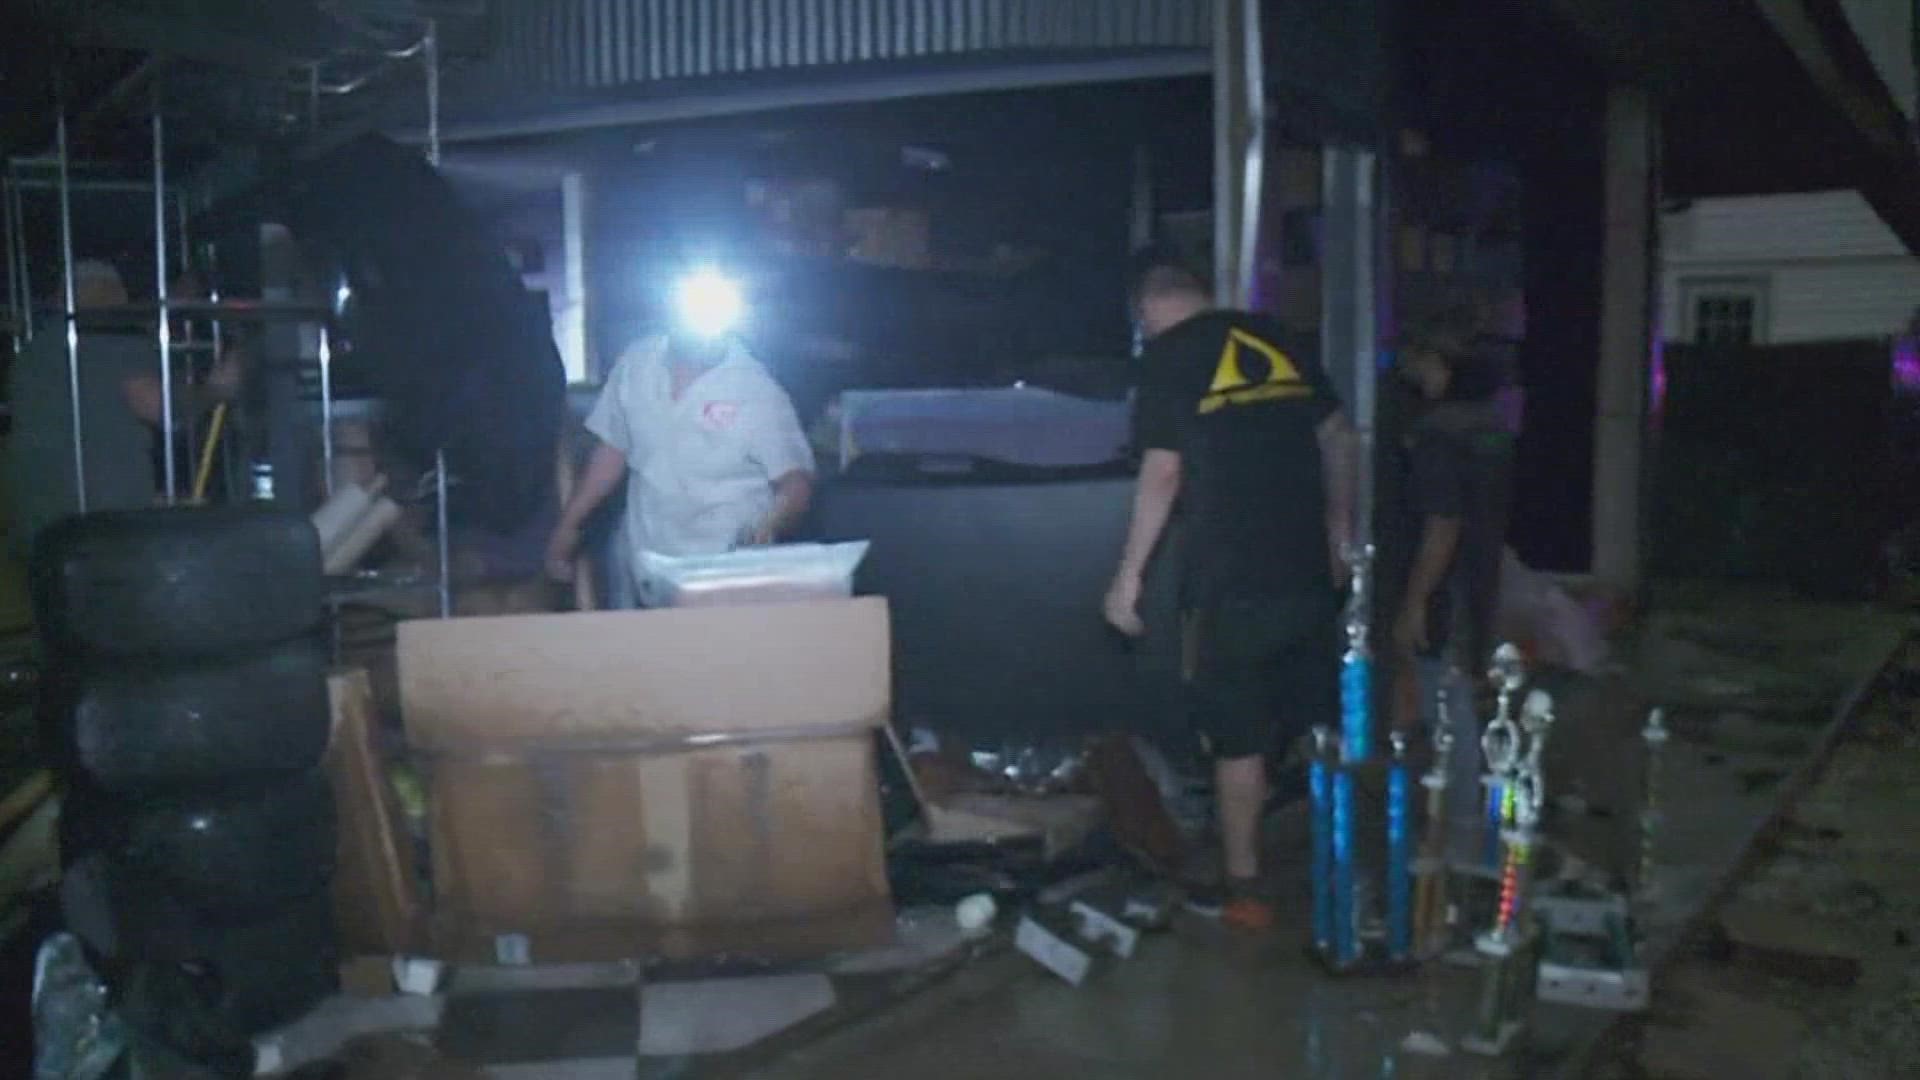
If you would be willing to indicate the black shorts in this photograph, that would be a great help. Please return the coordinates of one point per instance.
(1261, 673)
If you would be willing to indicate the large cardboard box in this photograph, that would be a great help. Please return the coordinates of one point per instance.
(679, 782)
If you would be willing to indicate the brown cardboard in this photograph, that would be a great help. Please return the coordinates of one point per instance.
(678, 782)
(676, 672)
(376, 899)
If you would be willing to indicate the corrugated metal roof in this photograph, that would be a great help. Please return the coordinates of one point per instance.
(575, 44)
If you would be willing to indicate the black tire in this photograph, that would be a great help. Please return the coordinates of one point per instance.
(149, 726)
(227, 854)
(208, 1000)
(181, 582)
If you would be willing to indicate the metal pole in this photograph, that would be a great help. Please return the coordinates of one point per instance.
(14, 313)
(440, 511)
(164, 334)
(431, 57)
(20, 253)
(1239, 134)
(326, 407)
(73, 328)
(180, 223)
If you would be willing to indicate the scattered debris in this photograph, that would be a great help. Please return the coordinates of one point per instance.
(1054, 948)
(922, 936)
(975, 914)
(1425, 1044)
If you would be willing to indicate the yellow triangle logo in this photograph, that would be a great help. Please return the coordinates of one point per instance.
(1229, 375)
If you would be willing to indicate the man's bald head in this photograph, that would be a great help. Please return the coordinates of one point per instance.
(1166, 296)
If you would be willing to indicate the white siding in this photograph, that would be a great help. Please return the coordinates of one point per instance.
(1885, 30)
(1821, 224)
(1831, 268)
(1814, 301)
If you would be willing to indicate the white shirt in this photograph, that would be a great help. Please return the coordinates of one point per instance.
(701, 468)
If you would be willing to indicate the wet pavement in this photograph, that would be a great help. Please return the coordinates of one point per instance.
(1753, 684)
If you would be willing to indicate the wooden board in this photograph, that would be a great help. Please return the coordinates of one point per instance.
(377, 902)
(682, 671)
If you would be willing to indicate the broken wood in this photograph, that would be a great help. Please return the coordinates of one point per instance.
(377, 898)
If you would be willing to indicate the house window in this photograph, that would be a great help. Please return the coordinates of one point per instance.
(1725, 312)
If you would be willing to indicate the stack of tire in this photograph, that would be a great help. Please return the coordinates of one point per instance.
(185, 703)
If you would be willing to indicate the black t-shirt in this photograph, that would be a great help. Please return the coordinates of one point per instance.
(1462, 467)
(1240, 398)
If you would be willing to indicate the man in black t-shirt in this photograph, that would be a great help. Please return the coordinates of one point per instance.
(1238, 422)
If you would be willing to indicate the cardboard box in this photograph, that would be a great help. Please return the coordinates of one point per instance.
(681, 782)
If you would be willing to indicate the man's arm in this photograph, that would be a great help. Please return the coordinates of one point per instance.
(792, 494)
(1153, 498)
(604, 470)
(1439, 539)
(1339, 466)
(145, 400)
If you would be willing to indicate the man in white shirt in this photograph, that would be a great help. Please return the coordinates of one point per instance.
(709, 444)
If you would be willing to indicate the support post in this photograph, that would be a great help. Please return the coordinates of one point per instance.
(72, 324)
(1349, 330)
(1239, 147)
(430, 56)
(1626, 333)
(16, 315)
(18, 254)
(163, 334)
(573, 252)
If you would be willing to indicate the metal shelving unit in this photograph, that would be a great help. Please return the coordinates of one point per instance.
(21, 322)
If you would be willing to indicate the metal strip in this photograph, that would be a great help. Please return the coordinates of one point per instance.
(14, 312)
(440, 520)
(72, 325)
(326, 407)
(19, 256)
(482, 750)
(431, 57)
(1162, 64)
(163, 333)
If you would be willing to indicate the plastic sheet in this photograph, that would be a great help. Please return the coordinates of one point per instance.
(777, 574)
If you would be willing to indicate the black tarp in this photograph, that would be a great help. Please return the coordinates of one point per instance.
(440, 325)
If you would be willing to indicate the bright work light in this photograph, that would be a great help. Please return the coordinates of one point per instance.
(708, 304)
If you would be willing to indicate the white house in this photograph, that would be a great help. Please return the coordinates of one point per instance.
(1779, 269)
(1819, 266)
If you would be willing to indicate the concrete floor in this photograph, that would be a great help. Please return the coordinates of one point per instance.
(1753, 682)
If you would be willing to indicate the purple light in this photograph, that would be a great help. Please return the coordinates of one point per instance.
(1906, 364)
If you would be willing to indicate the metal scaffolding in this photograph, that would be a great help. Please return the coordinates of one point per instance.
(21, 308)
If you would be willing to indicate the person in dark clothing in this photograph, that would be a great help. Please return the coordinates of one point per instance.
(119, 406)
(1459, 462)
(1238, 422)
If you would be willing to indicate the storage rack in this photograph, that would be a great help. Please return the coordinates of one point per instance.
(21, 314)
